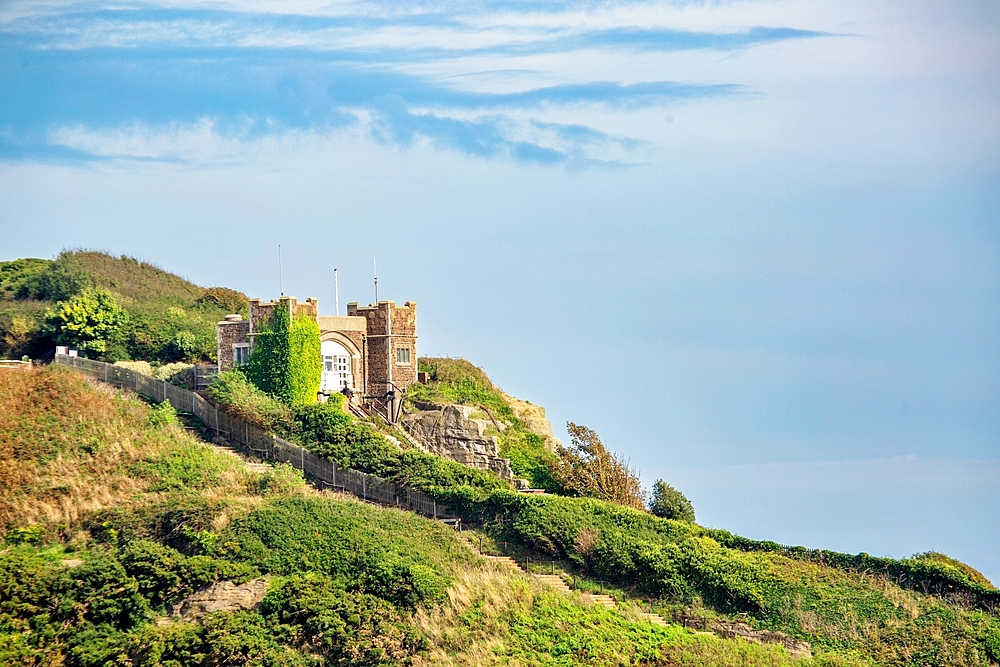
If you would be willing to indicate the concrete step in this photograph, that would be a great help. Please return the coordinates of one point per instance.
(555, 581)
(604, 600)
(506, 560)
(655, 619)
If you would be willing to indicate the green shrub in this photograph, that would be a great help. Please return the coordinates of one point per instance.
(391, 554)
(25, 535)
(238, 396)
(163, 414)
(183, 346)
(669, 503)
(346, 628)
(90, 320)
(282, 479)
(165, 575)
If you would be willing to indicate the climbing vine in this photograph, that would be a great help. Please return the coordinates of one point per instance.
(286, 361)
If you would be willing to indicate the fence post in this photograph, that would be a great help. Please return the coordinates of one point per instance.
(364, 486)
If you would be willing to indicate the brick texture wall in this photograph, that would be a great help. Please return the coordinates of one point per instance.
(380, 348)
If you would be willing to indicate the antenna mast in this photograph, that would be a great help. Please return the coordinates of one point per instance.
(281, 283)
(336, 291)
(375, 274)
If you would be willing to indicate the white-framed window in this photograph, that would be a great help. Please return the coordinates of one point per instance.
(402, 355)
(241, 354)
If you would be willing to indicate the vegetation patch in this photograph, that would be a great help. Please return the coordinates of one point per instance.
(116, 308)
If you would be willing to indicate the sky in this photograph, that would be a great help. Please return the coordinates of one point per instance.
(754, 244)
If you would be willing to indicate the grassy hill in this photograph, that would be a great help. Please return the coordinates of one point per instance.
(167, 318)
(111, 513)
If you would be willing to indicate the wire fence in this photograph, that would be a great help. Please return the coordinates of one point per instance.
(257, 442)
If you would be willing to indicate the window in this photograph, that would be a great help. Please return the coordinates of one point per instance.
(241, 354)
(402, 355)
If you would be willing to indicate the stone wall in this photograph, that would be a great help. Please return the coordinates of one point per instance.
(452, 432)
(380, 352)
(228, 333)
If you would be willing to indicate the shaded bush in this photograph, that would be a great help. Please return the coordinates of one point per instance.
(669, 503)
(347, 628)
(165, 575)
(238, 396)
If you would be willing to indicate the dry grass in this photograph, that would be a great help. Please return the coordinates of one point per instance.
(67, 446)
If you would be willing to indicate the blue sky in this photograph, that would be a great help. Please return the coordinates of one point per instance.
(754, 244)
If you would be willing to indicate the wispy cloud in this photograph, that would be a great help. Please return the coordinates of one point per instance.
(79, 74)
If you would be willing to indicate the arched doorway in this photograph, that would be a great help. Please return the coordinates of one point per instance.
(336, 367)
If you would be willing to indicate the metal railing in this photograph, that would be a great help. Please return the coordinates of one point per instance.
(253, 440)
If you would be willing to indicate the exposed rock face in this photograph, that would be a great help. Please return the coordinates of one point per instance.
(221, 596)
(795, 647)
(533, 418)
(450, 431)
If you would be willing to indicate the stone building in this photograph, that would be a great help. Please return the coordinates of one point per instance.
(371, 352)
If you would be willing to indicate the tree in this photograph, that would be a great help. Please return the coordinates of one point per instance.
(669, 503)
(286, 361)
(89, 320)
(587, 468)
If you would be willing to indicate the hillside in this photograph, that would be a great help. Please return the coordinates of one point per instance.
(130, 535)
(112, 513)
(165, 318)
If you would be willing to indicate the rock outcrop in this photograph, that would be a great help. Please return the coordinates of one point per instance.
(533, 418)
(451, 431)
(221, 596)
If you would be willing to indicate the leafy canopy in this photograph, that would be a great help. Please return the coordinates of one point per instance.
(587, 468)
(89, 320)
(669, 503)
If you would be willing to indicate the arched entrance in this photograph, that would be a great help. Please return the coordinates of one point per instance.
(337, 372)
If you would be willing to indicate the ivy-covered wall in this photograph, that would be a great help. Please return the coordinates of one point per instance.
(305, 360)
(286, 361)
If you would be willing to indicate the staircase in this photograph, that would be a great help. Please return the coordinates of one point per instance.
(557, 582)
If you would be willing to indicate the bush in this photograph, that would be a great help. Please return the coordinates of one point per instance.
(238, 396)
(89, 320)
(394, 555)
(344, 627)
(165, 575)
(669, 503)
(183, 346)
(280, 480)
(163, 414)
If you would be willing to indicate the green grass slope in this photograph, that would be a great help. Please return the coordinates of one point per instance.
(169, 318)
(112, 512)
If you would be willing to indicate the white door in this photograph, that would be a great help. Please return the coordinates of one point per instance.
(336, 367)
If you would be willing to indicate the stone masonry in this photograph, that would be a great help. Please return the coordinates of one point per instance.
(231, 331)
(391, 345)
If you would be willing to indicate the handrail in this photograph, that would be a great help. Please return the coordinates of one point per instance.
(247, 437)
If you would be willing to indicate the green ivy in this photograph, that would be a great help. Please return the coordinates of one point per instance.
(305, 360)
(286, 361)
